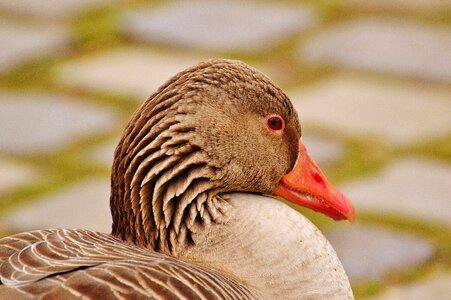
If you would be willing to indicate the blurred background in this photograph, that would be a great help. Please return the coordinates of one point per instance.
(371, 81)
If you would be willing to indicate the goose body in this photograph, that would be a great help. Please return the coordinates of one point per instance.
(191, 219)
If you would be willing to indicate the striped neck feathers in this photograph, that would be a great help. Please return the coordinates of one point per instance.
(162, 187)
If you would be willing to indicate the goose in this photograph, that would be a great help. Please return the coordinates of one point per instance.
(193, 188)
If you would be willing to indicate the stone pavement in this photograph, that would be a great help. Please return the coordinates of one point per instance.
(33, 122)
(369, 252)
(145, 71)
(356, 106)
(386, 45)
(24, 42)
(371, 81)
(435, 288)
(87, 201)
(218, 25)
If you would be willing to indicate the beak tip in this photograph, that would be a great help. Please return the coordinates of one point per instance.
(306, 185)
(350, 210)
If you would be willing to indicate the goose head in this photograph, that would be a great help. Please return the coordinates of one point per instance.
(216, 128)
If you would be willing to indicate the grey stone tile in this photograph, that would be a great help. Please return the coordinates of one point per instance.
(84, 205)
(219, 25)
(55, 9)
(400, 113)
(25, 42)
(385, 45)
(417, 188)
(369, 252)
(38, 123)
(438, 287)
(324, 151)
(14, 174)
(126, 71)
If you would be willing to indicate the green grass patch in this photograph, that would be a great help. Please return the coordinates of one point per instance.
(35, 74)
(368, 289)
(97, 29)
(439, 148)
(361, 158)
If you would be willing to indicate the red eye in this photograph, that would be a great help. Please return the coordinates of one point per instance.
(275, 123)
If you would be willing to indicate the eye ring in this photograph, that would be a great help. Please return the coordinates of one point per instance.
(275, 123)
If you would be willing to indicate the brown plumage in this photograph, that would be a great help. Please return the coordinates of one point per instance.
(180, 230)
(60, 263)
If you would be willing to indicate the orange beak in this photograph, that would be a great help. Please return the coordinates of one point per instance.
(307, 186)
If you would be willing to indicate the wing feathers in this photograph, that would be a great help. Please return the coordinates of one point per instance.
(73, 264)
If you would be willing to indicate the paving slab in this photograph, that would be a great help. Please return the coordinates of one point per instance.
(41, 123)
(410, 186)
(385, 45)
(55, 9)
(127, 71)
(369, 252)
(24, 42)
(14, 174)
(218, 25)
(399, 113)
(438, 287)
(84, 205)
(325, 151)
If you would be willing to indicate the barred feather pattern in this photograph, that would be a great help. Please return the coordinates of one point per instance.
(75, 264)
(165, 178)
(161, 171)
